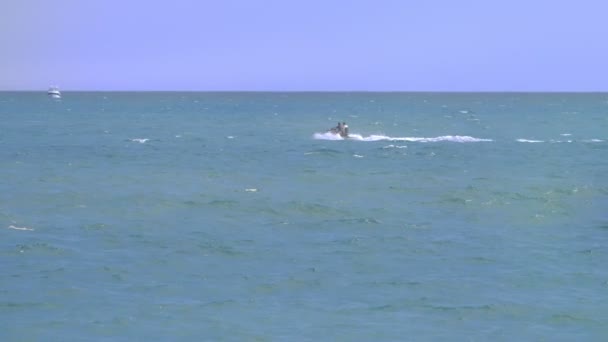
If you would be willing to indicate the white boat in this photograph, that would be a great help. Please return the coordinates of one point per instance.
(54, 92)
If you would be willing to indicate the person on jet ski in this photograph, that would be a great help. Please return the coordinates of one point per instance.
(337, 129)
(344, 130)
(341, 129)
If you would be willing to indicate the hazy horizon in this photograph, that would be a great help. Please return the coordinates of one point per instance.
(307, 91)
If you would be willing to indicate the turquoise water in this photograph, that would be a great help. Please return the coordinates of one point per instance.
(233, 216)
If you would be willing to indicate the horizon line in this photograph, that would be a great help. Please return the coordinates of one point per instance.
(310, 91)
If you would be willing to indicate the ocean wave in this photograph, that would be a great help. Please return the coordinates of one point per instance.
(19, 228)
(374, 137)
(529, 141)
(323, 151)
(327, 136)
(554, 141)
(395, 146)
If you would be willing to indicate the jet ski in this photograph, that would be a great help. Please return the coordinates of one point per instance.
(341, 129)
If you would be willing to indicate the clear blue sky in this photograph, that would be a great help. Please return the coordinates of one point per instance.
(433, 45)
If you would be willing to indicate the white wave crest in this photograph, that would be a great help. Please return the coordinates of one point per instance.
(452, 138)
(327, 136)
(140, 140)
(373, 137)
(529, 141)
(19, 228)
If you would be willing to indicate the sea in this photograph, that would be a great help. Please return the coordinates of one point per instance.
(236, 216)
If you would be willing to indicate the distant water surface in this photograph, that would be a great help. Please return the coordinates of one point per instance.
(235, 216)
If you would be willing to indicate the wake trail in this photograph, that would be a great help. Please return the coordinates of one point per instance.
(373, 137)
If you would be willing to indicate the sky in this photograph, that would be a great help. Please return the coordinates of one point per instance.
(308, 45)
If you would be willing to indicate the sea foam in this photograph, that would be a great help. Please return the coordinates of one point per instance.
(529, 141)
(19, 228)
(140, 140)
(374, 137)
